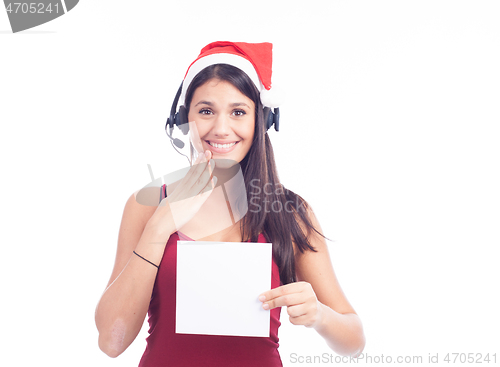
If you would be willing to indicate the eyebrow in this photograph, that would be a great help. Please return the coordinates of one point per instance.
(204, 102)
(236, 104)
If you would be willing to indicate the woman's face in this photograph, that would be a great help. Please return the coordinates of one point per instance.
(225, 119)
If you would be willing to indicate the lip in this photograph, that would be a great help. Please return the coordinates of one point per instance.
(221, 150)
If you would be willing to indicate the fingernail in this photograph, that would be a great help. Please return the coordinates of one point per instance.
(262, 298)
(265, 306)
(214, 180)
(207, 154)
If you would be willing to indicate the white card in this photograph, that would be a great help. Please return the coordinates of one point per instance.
(218, 285)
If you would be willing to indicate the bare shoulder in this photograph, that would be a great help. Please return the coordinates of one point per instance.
(134, 219)
(315, 267)
(314, 234)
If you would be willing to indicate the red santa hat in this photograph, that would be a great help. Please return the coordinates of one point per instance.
(255, 59)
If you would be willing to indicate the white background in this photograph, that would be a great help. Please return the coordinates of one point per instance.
(390, 131)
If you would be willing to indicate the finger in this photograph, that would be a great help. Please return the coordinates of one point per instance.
(286, 300)
(281, 291)
(208, 189)
(192, 183)
(195, 170)
(204, 163)
(212, 181)
(198, 164)
(210, 161)
(194, 180)
(297, 310)
(201, 162)
(305, 320)
(205, 182)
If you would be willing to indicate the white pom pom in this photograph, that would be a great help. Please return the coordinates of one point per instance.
(272, 98)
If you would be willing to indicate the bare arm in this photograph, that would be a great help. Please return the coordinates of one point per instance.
(124, 304)
(123, 307)
(336, 320)
(317, 300)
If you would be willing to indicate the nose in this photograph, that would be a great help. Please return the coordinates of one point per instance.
(222, 125)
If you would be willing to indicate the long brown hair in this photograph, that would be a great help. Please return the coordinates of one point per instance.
(272, 209)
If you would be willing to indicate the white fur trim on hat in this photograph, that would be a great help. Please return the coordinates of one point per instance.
(272, 98)
(234, 60)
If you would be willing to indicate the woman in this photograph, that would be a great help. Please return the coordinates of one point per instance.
(226, 94)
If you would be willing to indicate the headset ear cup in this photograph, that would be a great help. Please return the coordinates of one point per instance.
(272, 118)
(268, 117)
(182, 120)
(276, 119)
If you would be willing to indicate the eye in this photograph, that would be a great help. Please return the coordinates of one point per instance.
(239, 113)
(205, 111)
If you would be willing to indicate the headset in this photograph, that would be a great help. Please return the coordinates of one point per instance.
(180, 120)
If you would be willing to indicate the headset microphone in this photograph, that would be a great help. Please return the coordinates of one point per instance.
(177, 142)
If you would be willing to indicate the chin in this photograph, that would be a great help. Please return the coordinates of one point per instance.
(225, 162)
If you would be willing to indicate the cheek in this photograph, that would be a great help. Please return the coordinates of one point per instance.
(202, 129)
(250, 136)
(191, 117)
(248, 130)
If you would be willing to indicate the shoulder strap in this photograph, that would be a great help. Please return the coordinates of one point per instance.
(163, 192)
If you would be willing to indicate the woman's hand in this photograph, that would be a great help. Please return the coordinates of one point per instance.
(189, 195)
(302, 304)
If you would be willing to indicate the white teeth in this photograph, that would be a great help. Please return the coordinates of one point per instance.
(222, 145)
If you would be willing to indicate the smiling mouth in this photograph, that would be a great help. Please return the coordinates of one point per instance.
(221, 146)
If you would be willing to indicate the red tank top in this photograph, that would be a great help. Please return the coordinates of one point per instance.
(166, 348)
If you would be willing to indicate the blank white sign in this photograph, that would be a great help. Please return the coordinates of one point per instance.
(218, 285)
